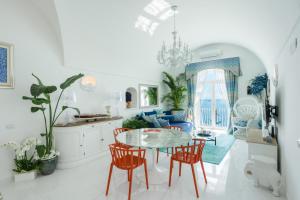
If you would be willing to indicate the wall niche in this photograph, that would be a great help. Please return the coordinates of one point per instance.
(131, 98)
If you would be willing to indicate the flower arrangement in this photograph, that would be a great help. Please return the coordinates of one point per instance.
(25, 154)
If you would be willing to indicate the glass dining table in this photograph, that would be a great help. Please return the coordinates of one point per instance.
(154, 138)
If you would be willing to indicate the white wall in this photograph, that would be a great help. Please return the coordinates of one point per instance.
(37, 50)
(250, 64)
(288, 98)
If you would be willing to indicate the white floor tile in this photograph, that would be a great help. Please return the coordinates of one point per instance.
(225, 182)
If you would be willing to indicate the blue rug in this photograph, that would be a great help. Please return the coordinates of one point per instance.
(215, 154)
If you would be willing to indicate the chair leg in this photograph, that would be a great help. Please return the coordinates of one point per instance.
(195, 182)
(128, 175)
(157, 154)
(180, 164)
(171, 169)
(130, 184)
(203, 170)
(146, 174)
(109, 177)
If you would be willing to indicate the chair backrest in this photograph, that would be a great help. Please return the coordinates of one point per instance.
(117, 131)
(193, 152)
(126, 158)
(177, 128)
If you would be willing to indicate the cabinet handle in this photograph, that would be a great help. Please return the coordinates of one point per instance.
(102, 140)
(81, 145)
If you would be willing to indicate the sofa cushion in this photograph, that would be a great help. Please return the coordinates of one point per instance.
(163, 123)
(152, 119)
(168, 117)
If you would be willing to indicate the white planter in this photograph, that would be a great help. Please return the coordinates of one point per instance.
(25, 176)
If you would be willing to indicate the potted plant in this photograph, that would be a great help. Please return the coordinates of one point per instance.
(25, 158)
(41, 100)
(176, 96)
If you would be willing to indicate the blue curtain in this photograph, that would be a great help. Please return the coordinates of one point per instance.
(192, 86)
(231, 82)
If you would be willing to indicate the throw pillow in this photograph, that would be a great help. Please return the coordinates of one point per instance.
(152, 119)
(163, 123)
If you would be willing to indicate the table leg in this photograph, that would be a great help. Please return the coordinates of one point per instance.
(157, 175)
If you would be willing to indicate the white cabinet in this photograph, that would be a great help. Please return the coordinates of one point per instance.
(78, 144)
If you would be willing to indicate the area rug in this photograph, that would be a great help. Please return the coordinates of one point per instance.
(214, 154)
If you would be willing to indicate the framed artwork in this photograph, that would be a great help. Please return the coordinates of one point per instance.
(6, 65)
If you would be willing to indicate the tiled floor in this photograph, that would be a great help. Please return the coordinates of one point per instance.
(225, 181)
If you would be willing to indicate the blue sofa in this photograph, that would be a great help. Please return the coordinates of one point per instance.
(186, 126)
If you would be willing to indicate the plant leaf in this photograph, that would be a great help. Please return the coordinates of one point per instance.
(76, 109)
(36, 90)
(39, 80)
(70, 81)
(41, 150)
(35, 109)
(40, 101)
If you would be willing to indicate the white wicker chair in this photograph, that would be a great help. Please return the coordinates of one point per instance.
(246, 111)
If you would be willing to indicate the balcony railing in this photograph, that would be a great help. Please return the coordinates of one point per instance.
(220, 114)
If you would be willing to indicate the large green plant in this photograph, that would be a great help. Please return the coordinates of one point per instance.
(41, 100)
(176, 96)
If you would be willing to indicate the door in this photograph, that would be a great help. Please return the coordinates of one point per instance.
(213, 104)
(92, 139)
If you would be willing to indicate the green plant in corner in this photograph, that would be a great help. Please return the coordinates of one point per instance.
(41, 100)
(176, 96)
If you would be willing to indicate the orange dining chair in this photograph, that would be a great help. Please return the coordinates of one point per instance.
(178, 128)
(191, 155)
(116, 132)
(126, 159)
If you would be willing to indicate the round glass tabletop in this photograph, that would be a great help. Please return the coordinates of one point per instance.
(154, 138)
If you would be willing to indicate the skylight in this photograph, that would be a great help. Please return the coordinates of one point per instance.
(154, 13)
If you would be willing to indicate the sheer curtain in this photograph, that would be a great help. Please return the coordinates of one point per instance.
(232, 90)
(201, 79)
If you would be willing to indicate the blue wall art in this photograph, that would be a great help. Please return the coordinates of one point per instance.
(6, 65)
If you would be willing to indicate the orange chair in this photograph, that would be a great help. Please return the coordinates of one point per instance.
(178, 128)
(190, 155)
(126, 159)
(117, 131)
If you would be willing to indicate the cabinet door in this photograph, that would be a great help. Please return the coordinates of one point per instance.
(92, 140)
(69, 142)
(107, 134)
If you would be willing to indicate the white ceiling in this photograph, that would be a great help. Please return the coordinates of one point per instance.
(102, 33)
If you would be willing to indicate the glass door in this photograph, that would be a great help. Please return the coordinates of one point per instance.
(213, 104)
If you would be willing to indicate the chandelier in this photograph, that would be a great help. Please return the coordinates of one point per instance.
(179, 54)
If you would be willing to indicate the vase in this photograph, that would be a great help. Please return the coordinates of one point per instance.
(48, 166)
(25, 176)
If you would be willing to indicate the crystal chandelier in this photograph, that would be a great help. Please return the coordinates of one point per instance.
(178, 54)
